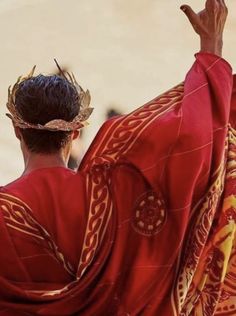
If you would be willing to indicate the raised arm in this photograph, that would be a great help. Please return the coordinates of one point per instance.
(209, 25)
(155, 128)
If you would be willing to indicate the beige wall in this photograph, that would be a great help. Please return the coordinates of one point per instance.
(125, 52)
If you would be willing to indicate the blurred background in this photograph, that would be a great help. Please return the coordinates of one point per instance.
(125, 52)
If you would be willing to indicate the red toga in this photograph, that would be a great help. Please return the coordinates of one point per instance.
(147, 225)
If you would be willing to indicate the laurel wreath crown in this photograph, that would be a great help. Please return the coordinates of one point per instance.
(57, 124)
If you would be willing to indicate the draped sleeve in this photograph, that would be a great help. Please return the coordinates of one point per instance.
(176, 138)
(158, 174)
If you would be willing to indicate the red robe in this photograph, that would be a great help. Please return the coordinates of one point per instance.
(147, 225)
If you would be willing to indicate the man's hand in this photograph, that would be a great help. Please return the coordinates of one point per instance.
(209, 24)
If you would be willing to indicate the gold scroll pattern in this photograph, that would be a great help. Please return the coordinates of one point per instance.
(99, 215)
(17, 216)
(124, 131)
(116, 142)
(206, 284)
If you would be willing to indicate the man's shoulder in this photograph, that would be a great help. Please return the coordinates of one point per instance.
(10, 191)
(12, 185)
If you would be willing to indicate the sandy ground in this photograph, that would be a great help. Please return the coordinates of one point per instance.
(125, 52)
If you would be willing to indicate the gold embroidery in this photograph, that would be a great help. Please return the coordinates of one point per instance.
(18, 216)
(116, 142)
(206, 282)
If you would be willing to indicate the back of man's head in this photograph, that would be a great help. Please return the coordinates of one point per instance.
(42, 99)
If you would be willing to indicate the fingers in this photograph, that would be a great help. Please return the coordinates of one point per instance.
(223, 5)
(217, 8)
(213, 6)
(193, 17)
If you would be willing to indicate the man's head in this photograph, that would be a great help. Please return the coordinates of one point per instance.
(41, 99)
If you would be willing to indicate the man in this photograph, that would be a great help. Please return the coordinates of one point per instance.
(147, 225)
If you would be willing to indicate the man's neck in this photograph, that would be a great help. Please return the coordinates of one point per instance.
(34, 161)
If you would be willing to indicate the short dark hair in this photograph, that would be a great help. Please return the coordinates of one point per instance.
(41, 99)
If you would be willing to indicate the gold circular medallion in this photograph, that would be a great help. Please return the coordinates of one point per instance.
(149, 214)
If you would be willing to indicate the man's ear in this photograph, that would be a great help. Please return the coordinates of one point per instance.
(17, 132)
(75, 134)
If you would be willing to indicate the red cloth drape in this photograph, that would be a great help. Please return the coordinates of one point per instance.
(154, 233)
